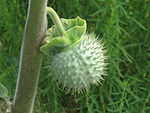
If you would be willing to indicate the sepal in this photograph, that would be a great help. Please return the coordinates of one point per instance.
(74, 29)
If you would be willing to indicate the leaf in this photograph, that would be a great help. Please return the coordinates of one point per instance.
(74, 29)
(138, 23)
(70, 23)
(3, 91)
(74, 33)
(56, 44)
(52, 32)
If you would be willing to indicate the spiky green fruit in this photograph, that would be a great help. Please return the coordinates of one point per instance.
(80, 65)
(75, 59)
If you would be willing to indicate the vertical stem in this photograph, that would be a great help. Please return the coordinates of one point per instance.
(56, 20)
(31, 58)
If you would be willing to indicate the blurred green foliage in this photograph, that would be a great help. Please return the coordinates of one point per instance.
(124, 25)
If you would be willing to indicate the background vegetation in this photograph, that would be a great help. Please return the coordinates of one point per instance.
(124, 25)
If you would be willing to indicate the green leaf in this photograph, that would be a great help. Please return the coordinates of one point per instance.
(70, 23)
(74, 33)
(1, 45)
(52, 32)
(55, 44)
(74, 29)
(3, 92)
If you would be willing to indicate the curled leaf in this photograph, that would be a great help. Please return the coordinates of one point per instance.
(74, 29)
(3, 92)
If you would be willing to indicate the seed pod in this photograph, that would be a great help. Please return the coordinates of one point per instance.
(80, 65)
(76, 59)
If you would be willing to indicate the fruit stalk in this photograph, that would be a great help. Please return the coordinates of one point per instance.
(56, 20)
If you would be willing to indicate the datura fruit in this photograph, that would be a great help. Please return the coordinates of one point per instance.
(76, 59)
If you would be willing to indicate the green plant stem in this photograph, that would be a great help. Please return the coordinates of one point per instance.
(31, 58)
(56, 20)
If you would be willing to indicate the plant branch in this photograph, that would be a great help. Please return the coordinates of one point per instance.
(31, 58)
